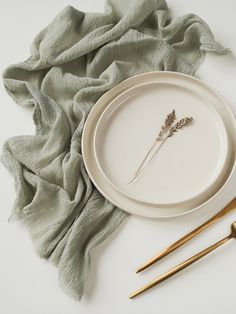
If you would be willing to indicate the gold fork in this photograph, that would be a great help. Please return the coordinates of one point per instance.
(229, 208)
(186, 263)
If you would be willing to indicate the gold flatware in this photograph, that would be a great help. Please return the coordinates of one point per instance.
(230, 207)
(186, 263)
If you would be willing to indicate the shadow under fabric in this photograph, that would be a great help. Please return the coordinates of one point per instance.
(74, 60)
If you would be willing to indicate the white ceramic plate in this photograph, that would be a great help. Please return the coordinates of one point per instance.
(181, 172)
(192, 167)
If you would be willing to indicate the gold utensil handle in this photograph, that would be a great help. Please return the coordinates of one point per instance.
(230, 207)
(181, 266)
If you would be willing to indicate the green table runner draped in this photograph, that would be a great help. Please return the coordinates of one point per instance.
(74, 60)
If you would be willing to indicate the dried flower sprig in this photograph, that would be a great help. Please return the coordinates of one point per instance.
(167, 130)
(164, 128)
(168, 123)
(179, 125)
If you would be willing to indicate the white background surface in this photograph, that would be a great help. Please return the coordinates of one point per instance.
(29, 285)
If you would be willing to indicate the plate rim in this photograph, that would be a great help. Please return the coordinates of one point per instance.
(125, 84)
(129, 90)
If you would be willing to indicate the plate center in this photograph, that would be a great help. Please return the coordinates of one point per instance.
(187, 164)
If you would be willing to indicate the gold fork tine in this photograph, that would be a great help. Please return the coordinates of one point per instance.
(230, 207)
(186, 263)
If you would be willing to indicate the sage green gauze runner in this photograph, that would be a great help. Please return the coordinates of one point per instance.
(73, 61)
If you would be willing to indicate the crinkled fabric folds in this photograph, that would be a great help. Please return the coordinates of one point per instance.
(74, 60)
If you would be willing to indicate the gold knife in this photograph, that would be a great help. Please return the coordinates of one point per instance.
(229, 208)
